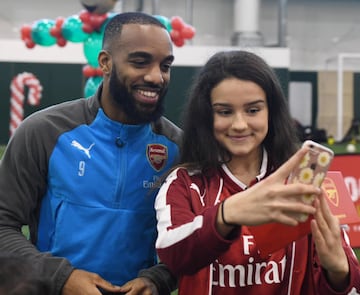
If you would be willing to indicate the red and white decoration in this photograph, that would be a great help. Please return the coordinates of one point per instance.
(17, 98)
(349, 164)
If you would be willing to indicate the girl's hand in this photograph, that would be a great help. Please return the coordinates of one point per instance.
(326, 233)
(270, 200)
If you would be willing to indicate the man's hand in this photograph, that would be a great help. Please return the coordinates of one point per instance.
(139, 286)
(81, 282)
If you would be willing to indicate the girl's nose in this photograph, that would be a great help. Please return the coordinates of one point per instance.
(239, 122)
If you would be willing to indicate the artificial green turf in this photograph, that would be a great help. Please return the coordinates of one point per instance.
(2, 149)
(340, 148)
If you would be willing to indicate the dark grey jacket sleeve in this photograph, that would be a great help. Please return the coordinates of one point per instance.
(161, 276)
(23, 171)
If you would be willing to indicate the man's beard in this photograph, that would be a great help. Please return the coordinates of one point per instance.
(127, 102)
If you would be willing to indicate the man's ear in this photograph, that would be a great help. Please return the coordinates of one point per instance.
(104, 60)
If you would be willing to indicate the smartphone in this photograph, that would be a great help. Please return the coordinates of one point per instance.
(312, 169)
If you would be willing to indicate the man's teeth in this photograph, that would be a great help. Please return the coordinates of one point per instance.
(147, 93)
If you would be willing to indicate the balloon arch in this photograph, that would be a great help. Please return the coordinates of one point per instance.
(87, 27)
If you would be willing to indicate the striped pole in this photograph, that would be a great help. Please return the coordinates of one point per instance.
(17, 98)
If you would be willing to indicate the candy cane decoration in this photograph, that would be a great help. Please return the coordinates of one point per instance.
(17, 88)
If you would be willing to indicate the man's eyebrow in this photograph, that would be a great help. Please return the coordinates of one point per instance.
(146, 55)
(142, 54)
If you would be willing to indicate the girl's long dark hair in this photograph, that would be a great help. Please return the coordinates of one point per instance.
(200, 149)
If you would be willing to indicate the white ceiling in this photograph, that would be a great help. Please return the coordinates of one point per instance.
(15, 13)
(316, 30)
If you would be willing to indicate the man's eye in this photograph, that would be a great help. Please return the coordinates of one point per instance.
(166, 67)
(139, 63)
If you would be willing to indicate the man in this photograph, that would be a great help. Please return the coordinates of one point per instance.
(83, 174)
(19, 276)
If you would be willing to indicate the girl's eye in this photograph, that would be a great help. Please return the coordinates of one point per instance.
(253, 110)
(223, 112)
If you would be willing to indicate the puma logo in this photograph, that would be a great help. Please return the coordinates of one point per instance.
(201, 196)
(353, 291)
(81, 148)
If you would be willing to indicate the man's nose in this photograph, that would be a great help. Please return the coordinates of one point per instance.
(154, 76)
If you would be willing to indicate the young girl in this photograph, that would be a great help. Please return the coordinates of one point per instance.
(239, 147)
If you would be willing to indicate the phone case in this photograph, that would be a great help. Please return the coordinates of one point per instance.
(312, 169)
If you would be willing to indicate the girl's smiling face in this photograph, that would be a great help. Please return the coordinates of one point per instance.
(241, 116)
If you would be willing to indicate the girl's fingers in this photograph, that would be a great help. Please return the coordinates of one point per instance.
(328, 224)
(330, 219)
(286, 168)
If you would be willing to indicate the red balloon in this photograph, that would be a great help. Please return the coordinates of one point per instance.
(85, 16)
(177, 23)
(97, 20)
(61, 41)
(29, 43)
(99, 72)
(89, 71)
(59, 22)
(175, 35)
(87, 28)
(55, 32)
(179, 42)
(25, 32)
(187, 32)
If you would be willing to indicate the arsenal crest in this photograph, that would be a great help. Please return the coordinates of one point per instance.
(157, 155)
(331, 191)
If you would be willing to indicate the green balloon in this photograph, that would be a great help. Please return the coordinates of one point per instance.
(91, 86)
(109, 17)
(40, 32)
(72, 29)
(165, 21)
(92, 47)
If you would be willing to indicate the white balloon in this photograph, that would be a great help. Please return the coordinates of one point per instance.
(98, 6)
(351, 148)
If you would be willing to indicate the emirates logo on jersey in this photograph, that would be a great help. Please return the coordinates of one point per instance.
(157, 155)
